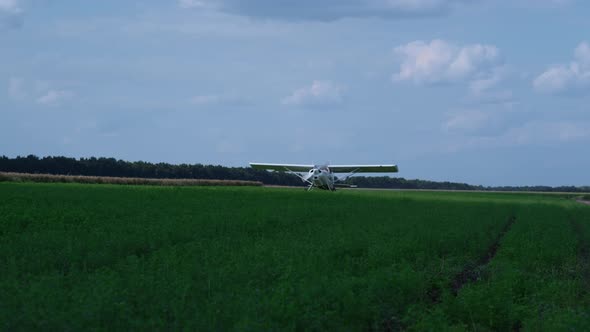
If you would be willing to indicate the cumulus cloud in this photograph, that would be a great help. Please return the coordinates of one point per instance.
(54, 97)
(441, 62)
(327, 9)
(567, 78)
(319, 93)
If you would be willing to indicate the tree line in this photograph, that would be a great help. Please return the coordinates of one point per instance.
(140, 169)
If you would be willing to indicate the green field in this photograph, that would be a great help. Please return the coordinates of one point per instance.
(108, 257)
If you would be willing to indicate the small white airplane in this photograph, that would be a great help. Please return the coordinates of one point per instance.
(322, 176)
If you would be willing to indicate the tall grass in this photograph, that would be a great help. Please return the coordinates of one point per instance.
(74, 257)
(24, 177)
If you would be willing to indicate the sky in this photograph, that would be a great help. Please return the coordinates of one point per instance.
(491, 92)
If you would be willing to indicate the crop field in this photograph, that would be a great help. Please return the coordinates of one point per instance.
(115, 257)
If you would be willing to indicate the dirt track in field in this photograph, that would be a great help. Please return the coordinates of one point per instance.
(472, 273)
(583, 250)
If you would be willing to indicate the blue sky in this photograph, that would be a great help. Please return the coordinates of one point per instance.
(478, 91)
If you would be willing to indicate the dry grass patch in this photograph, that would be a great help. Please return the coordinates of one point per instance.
(25, 177)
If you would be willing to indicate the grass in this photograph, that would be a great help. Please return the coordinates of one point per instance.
(77, 256)
(51, 178)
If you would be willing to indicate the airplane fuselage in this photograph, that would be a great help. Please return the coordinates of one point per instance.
(322, 178)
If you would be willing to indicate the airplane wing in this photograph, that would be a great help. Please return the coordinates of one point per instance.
(364, 168)
(282, 167)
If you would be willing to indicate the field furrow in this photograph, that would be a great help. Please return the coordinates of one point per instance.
(582, 229)
(472, 272)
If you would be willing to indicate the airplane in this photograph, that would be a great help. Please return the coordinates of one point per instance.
(323, 176)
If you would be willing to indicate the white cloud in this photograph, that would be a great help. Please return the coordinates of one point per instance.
(567, 78)
(442, 62)
(54, 97)
(439, 61)
(317, 94)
